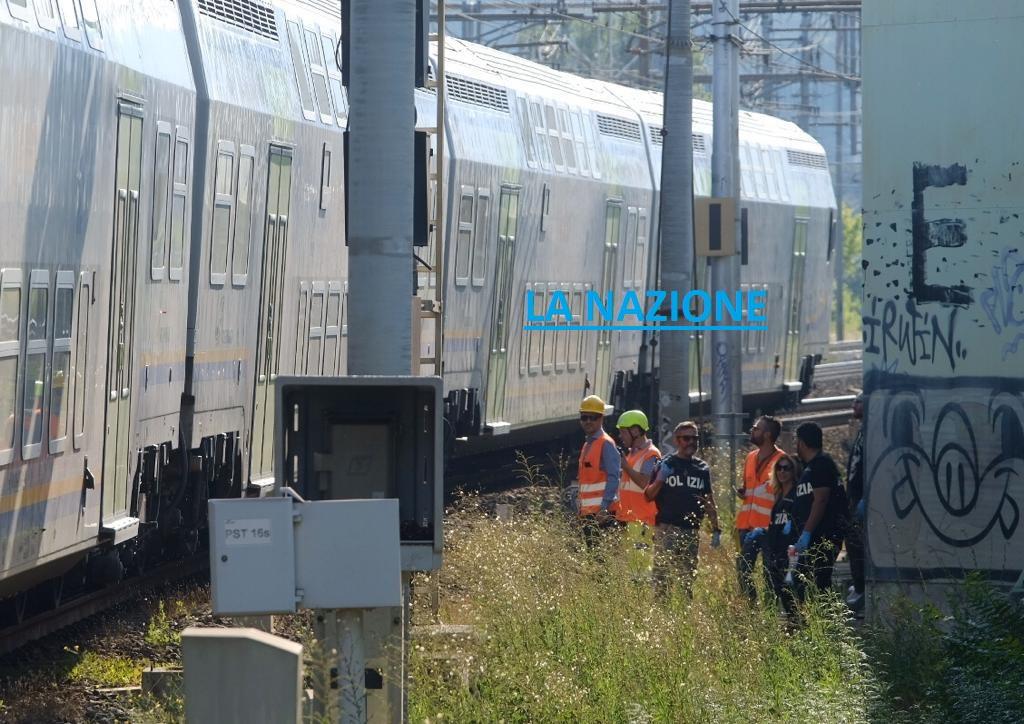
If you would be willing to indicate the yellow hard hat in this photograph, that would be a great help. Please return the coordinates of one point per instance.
(592, 404)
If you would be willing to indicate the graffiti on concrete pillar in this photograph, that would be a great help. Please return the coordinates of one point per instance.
(1003, 302)
(928, 234)
(947, 478)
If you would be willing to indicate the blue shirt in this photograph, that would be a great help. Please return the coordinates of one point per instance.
(611, 465)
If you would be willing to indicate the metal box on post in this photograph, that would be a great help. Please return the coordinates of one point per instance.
(366, 437)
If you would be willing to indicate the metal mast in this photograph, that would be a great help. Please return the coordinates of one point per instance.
(726, 391)
(676, 214)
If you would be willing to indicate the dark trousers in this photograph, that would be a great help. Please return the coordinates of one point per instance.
(815, 567)
(675, 557)
(855, 553)
(775, 566)
(593, 526)
(745, 561)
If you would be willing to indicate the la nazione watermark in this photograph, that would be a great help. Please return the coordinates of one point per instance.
(695, 311)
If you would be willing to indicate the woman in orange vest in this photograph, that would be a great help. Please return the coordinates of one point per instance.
(641, 457)
(598, 471)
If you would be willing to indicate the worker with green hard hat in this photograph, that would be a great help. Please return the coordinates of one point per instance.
(637, 469)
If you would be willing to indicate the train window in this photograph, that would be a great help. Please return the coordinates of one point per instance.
(179, 192)
(91, 20)
(640, 256)
(10, 336)
(553, 138)
(526, 130)
(45, 14)
(82, 356)
(21, 10)
(332, 331)
(60, 372)
(325, 178)
(316, 329)
(582, 155)
(540, 305)
(344, 310)
(243, 216)
(568, 146)
(543, 149)
(33, 419)
(161, 189)
(318, 72)
(550, 333)
(332, 54)
(464, 241)
(562, 335)
(483, 210)
(305, 93)
(760, 172)
(223, 203)
(69, 18)
(300, 337)
(583, 335)
(630, 250)
(588, 131)
(524, 343)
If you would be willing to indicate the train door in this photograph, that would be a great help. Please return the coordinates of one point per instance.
(791, 370)
(612, 234)
(497, 361)
(124, 246)
(275, 236)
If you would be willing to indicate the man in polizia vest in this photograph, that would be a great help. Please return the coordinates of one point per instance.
(637, 469)
(598, 471)
(682, 490)
(754, 515)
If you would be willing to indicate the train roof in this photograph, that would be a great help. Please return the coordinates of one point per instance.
(505, 70)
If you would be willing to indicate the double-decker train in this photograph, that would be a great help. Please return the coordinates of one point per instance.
(172, 204)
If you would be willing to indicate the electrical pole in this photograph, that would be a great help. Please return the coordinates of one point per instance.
(676, 207)
(837, 253)
(726, 389)
(380, 183)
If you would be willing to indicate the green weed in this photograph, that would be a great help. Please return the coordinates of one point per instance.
(159, 632)
(106, 671)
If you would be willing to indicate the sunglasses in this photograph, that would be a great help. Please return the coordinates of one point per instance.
(687, 438)
(589, 418)
(787, 468)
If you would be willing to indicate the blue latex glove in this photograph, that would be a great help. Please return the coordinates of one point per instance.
(788, 528)
(716, 539)
(803, 542)
(859, 512)
(753, 535)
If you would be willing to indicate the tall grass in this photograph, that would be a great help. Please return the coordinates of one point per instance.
(576, 635)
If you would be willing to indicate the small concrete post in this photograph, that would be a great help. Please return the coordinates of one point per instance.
(241, 675)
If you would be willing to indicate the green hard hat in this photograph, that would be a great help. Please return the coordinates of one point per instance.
(629, 418)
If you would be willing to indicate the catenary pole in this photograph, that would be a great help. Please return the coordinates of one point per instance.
(726, 388)
(380, 255)
(676, 206)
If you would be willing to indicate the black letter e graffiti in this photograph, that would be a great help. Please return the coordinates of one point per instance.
(940, 232)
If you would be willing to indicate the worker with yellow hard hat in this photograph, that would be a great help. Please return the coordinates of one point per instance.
(599, 468)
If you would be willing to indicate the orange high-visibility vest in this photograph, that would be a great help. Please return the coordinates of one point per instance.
(759, 497)
(633, 505)
(592, 479)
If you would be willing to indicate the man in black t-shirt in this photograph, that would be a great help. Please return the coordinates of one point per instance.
(812, 515)
(682, 491)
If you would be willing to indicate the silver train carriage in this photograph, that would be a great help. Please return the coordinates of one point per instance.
(553, 185)
(174, 221)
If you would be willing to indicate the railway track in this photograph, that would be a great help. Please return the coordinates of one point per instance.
(31, 629)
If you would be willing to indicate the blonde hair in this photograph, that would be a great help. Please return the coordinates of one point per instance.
(773, 482)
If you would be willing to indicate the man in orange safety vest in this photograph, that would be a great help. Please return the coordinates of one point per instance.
(758, 496)
(637, 469)
(598, 470)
